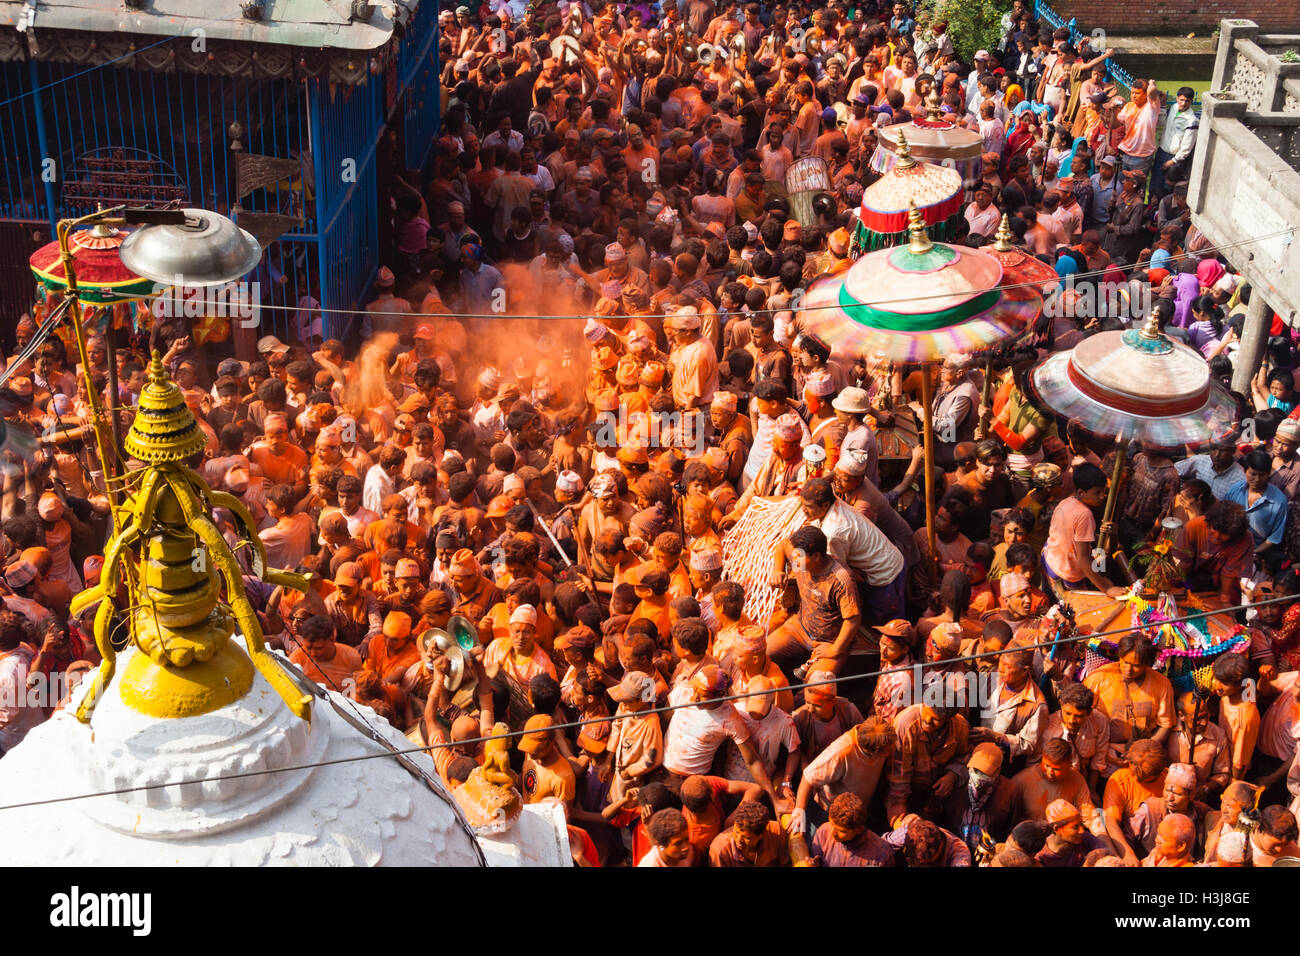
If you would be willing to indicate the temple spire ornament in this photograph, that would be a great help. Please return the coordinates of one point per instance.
(169, 554)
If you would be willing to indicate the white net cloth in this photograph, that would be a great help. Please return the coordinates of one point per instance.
(747, 551)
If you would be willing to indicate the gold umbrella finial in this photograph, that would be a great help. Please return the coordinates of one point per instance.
(933, 105)
(1151, 328)
(905, 160)
(1002, 238)
(920, 243)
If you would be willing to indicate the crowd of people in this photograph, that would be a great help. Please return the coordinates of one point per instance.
(584, 364)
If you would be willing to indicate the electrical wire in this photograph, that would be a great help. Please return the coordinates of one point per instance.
(100, 66)
(875, 303)
(667, 708)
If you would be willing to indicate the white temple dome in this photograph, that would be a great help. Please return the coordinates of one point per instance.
(356, 813)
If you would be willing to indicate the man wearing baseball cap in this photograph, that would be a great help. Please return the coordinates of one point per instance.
(547, 772)
(636, 740)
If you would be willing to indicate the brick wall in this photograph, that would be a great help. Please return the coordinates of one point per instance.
(1179, 16)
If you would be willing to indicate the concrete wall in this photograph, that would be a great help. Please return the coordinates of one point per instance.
(1245, 183)
(1179, 16)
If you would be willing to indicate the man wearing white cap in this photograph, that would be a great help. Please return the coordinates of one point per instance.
(510, 663)
(564, 525)
(1178, 796)
(850, 485)
(706, 571)
(618, 271)
(605, 512)
(851, 408)
(1286, 463)
(693, 363)
(385, 310)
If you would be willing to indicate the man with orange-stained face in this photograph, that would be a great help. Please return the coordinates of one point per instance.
(387, 660)
(320, 656)
(473, 593)
(824, 716)
(1142, 777)
(1069, 843)
(1178, 796)
(1175, 839)
(282, 462)
(845, 840)
(1052, 778)
(928, 762)
(547, 772)
(754, 839)
(510, 663)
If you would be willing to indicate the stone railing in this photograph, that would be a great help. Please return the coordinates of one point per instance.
(1250, 65)
(1245, 179)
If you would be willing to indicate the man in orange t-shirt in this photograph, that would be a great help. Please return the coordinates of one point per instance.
(703, 807)
(388, 660)
(1130, 787)
(281, 462)
(323, 659)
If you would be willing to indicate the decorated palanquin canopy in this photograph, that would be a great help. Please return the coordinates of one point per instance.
(102, 278)
(1139, 385)
(932, 140)
(919, 302)
(936, 191)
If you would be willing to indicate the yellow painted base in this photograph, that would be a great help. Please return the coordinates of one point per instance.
(164, 690)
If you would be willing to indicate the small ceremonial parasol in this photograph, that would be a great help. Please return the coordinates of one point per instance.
(1018, 266)
(1135, 385)
(112, 295)
(919, 303)
(935, 190)
(933, 140)
(102, 278)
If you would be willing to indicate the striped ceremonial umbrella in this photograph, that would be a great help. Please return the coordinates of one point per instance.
(1136, 385)
(102, 279)
(919, 303)
(936, 192)
(933, 140)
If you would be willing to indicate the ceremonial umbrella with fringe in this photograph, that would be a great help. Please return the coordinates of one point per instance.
(935, 190)
(110, 292)
(933, 140)
(1135, 386)
(102, 278)
(920, 303)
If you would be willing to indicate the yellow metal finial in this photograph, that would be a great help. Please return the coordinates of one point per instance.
(905, 160)
(164, 428)
(920, 243)
(172, 559)
(1002, 238)
(933, 104)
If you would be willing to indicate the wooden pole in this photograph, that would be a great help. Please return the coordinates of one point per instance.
(1112, 495)
(927, 431)
(103, 437)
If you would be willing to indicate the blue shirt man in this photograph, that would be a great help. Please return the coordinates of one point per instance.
(1265, 504)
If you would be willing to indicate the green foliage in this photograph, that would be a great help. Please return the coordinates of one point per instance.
(972, 24)
(1290, 56)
